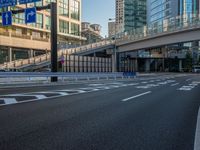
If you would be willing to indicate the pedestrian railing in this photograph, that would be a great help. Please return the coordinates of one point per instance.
(46, 57)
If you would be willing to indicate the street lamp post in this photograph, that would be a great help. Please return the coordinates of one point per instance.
(114, 65)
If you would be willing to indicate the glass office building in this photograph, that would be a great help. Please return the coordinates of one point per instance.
(188, 7)
(134, 14)
(159, 10)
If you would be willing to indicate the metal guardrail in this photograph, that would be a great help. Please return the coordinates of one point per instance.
(9, 77)
(167, 26)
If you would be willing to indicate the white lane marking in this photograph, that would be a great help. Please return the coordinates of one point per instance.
(30, 94)
(175, 84)
(54, 92)
(188, 79)
(75, 91)
(9, 100)
(197, 134)
(139, 95)
(144, 82)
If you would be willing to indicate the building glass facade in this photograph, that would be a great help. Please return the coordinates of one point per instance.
(158, 10)
(134, 14)
(188, 7)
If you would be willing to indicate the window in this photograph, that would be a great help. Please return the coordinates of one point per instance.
(75, 29)
(75, 10)
(63, 7)
(48, 23)
(63, 26)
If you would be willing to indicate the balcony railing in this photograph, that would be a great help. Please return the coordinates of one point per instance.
(23, 36)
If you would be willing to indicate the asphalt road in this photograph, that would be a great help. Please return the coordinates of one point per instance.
(157, 113)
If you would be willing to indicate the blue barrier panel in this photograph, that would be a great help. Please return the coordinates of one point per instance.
(129, 74)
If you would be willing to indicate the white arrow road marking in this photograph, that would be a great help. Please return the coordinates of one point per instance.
(30, 14)
(6, 16)
(9, 100)
(139, 95)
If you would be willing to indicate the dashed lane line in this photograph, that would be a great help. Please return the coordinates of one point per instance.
(136, 96)
(175, 84)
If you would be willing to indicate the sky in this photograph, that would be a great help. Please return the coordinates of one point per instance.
(98, 12)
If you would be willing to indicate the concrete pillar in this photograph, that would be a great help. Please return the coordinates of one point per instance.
(180, 65)
(65, 64)
(163, 64)
(195, 48)
(31, 53)
(113, 63)
(156, 65)
(147, 65)
(10, 54)
(136, 65)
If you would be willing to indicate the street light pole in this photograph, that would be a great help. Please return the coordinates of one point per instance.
(114, 65)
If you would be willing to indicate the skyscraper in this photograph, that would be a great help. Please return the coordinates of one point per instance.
(159, 10)
(188, 7)
(119, 11)
(130, 14)
(134, 14)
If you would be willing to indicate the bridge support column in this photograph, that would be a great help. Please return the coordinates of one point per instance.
(156, 65)
(147, 65)
(180, 65)
(10, 54)
(113, 63)
(136, 64)
(195, 48)
(31, 53)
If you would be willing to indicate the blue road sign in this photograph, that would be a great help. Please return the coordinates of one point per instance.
(27, 1)
(6, 3)
(7, 18)
(30, 15)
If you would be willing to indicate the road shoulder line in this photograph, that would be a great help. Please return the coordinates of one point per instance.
(197, 134)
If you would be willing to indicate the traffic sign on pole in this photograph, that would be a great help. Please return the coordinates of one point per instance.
(27, 1)
(7, 18)
(6, 3)
(30, 15)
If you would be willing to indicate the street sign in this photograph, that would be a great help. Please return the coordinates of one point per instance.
(7, 18)
(27, 1)
(6, 3)
(30, 15)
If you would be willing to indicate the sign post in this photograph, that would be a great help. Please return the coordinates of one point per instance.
(54, 59)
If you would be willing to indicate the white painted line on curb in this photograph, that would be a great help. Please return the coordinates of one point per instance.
(175, 84)
(127, 99)
(197, 134)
